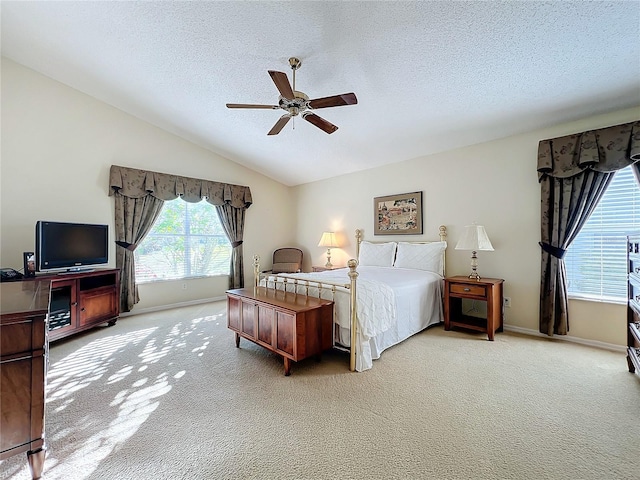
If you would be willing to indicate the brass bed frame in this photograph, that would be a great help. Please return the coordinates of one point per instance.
(284, 282)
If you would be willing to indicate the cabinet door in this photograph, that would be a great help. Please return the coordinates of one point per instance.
(286, 334)
(62, 308)
(266, 316)
(15, 403)
(234, 308)
(97, 305)
(22, 380)
(248, 326)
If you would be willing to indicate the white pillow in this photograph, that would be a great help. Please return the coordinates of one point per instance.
(377, 254)
(421, 256)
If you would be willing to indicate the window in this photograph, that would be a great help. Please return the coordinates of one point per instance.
(187, 240)
(596, 261)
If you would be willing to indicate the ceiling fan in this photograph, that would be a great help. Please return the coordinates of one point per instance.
(297, 103)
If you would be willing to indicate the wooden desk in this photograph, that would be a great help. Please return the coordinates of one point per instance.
(294, 326)
(23, 357)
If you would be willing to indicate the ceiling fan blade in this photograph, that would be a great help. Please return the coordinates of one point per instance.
(249, 105)
(334, 101)
(279, 125)
(319, 122)
(282, 84)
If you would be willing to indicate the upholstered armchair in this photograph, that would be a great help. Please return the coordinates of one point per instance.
(287, 260)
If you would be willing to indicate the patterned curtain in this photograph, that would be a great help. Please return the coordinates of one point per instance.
(574, 171)
(139, 196)
(232, 220)
(134, 219)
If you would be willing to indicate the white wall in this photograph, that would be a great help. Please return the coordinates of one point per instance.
(494, 184)
(57, 147)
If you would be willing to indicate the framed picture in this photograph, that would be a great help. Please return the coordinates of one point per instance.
(29, 259)
(398, 214)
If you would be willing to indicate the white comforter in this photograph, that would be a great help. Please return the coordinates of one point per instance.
(393, 304)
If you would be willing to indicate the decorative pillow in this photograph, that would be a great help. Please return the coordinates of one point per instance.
(421, 256)
(285, 267)
(377, 254)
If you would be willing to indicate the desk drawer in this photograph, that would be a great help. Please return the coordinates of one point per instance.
(22, 336)
(466, 289)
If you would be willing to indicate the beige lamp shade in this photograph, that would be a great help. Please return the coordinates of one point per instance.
(328, 240)
(474, 238)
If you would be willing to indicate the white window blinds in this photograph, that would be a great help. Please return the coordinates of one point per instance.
(596, 260)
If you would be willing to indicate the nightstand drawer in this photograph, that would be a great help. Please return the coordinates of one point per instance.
(465, 289)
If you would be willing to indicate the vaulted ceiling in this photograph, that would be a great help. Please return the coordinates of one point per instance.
(429, 75)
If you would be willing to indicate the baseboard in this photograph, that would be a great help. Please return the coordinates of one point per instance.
(508, 328)
(567, 338)
(172, 305)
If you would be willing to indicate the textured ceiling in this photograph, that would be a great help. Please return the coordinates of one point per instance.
(429, 76)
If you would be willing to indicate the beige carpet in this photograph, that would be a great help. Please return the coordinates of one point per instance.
(168, 396)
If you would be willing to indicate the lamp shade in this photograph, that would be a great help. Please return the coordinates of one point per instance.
(474, 238)
(328, 240)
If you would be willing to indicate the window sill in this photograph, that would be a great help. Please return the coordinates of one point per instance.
(585, 298)
(181, 279)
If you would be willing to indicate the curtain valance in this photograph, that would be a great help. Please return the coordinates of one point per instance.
(134, 183)
(603, 150)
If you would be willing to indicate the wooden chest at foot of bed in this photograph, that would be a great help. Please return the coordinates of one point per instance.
(291, 325)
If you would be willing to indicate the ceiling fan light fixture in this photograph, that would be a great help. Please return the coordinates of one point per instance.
(294, 102)
(295, 63)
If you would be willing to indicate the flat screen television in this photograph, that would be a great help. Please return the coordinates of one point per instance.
(70, 246)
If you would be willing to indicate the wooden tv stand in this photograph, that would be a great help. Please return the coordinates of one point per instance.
(294, 326)
(82, 300)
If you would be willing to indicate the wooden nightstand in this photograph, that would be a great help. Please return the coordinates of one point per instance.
(322, 268)
(487, 290)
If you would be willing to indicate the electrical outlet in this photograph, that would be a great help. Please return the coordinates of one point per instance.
(184, 286)
(507, 302)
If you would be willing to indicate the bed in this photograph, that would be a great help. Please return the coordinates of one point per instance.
(391, 292)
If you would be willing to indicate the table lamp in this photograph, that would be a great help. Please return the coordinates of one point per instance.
(328, 240)
(474, 238)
